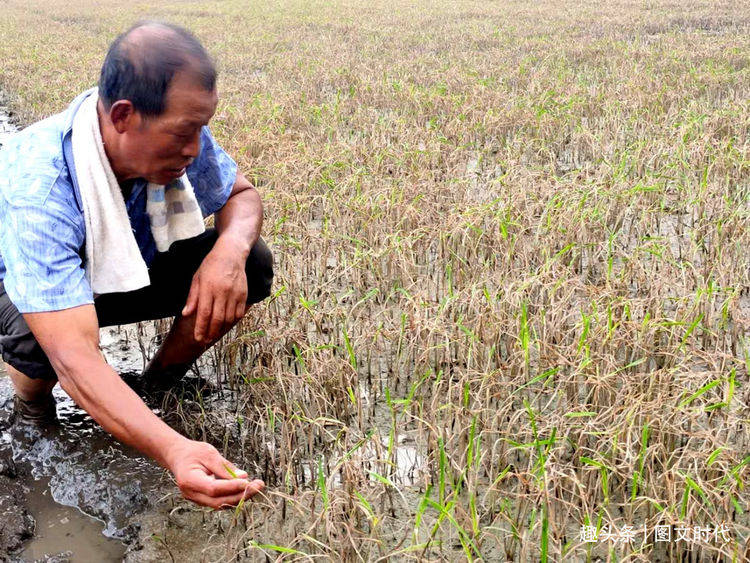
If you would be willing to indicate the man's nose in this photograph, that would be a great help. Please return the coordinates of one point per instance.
(193, 148)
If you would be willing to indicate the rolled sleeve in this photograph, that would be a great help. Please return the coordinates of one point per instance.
(39, 245)
(212, 175)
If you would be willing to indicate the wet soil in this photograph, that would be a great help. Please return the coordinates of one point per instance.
(17, 523)
(71, 491)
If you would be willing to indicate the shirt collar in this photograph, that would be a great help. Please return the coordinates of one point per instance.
(73, 109)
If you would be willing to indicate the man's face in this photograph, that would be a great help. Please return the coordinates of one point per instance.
(160, 148)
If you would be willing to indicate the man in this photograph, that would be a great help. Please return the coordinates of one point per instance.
(156, 96)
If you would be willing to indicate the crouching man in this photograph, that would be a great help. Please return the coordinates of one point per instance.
(101, 223)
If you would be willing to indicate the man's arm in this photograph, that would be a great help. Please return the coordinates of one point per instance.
(218, 292)
(70, 338)
(241, 218)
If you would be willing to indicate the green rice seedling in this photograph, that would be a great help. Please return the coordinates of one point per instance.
(419, 512)
(734, 473)
(445, 512)
(704, 389)
(604, 472)
(524, 335)
(691, 485)
(300, 359)
(542, 446)
(714, 454)
(545, 534)
(689, 331)
(728, 396)
(586, 326)
(349, 348)
(367, 508)
(277, 548)
(638, 474)
(387, 482)
(322, 484)
(442, 470)
(546, 376)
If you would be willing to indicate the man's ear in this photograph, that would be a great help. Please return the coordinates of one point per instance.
(123, 115)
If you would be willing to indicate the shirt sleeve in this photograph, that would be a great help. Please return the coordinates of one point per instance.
(212, 174)
(39, 245)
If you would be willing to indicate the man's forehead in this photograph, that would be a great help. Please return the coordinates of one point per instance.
(191, 106)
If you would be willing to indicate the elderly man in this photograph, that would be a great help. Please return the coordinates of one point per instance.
(135, 152)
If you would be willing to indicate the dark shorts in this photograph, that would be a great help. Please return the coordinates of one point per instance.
(171, 274)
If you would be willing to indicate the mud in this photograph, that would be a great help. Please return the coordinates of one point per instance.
(17, 524)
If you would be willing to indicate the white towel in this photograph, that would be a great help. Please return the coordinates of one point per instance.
(113, 259)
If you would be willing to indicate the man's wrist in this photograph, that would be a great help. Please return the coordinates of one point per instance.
(172, 452)
(233, 244)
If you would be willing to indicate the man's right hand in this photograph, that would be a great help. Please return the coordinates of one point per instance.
(202, 475)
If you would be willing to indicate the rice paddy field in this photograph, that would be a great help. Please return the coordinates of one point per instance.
(511, 312)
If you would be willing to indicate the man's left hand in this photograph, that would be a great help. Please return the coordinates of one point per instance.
(218, 292)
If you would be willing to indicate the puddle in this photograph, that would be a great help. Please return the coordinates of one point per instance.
(404, 466)
(66, 532)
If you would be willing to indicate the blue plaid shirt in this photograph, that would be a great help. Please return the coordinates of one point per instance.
(42, 229)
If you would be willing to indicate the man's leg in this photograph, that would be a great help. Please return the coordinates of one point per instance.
(30, 390)
(26, 363)
(33, 401)
(171, 275)
(179, 349)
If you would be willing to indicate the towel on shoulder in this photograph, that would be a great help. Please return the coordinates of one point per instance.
(113, 260)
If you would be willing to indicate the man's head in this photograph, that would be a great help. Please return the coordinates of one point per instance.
(157, 89)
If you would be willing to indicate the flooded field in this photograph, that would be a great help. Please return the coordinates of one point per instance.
(511, 307)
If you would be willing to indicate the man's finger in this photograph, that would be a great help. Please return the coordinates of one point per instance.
(224, 501)
(217, 318)
(216, 488)
(205, 305)
(240, 311)
(223, 468)
(231, 312)
(192, 298)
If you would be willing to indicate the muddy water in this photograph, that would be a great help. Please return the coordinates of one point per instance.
(82, 488)
(65, 530)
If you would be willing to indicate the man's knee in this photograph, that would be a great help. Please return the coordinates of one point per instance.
(259, 270)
